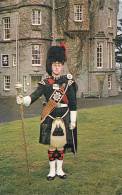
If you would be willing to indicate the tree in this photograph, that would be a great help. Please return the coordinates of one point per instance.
(118, 42)
(118, 52)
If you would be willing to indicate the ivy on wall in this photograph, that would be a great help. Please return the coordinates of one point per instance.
(77, 38)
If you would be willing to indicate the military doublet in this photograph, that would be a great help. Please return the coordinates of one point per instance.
(53, 88)
(48, 85)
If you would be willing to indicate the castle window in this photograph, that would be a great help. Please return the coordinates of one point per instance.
(14, 59)
(6, 28)
(6, 83)
(110, 55)
(99, 55)
(25, 83)
(78, 13)
(109, 81)
(36, 61)
(4, 61)
(110, 17)
(36, 17)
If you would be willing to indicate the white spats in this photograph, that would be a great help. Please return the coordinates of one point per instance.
(59, 170)
(52, 171)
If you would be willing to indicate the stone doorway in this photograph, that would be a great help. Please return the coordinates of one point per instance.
(34, 81)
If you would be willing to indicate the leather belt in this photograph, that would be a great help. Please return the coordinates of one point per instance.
(60, 105)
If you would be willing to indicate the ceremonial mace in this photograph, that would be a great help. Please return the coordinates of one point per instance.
(18, 87)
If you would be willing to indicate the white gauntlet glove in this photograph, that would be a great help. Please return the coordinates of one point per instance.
(26, 101)
(73, 117)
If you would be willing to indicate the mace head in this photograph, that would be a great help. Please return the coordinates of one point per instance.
(18, 87)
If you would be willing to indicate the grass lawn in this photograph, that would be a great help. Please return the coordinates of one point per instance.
(97, 169)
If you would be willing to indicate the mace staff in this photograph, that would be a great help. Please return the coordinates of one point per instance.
(18, 87)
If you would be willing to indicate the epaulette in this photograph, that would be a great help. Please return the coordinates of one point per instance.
(69, 76)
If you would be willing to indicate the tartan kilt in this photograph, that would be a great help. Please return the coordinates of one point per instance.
(45, 129)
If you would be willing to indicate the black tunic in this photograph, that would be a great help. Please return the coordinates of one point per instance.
(45, 88)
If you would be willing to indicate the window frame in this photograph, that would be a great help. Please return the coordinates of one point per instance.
(78, 12)
(109, 82)
(99, 55)
(110, 17)
(14, 62)
(5, 29)
(5, 83)
(34, 54)
(110, 54)
(38, 17)
(2, 61)
(25, 83)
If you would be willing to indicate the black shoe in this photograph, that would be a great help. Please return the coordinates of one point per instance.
(62, 176)
(49, 178)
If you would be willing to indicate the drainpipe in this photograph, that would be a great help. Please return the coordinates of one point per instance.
(53, 24)
(17, 48)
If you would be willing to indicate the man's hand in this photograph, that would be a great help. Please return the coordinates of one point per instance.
(19, 99)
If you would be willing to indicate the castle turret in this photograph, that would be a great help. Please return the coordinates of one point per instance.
(25, 36)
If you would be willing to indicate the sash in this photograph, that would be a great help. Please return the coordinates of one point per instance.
(54, 99)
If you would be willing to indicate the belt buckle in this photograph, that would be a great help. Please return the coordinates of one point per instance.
(59, 105)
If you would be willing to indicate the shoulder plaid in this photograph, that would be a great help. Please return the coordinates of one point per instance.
(42, 82)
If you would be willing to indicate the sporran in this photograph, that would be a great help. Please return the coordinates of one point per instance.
(58, 133)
